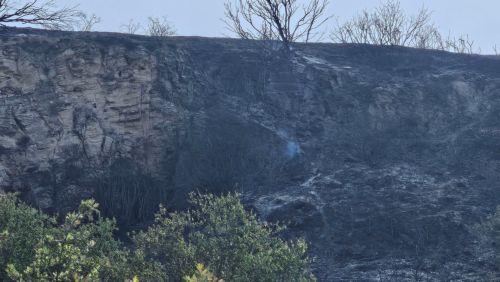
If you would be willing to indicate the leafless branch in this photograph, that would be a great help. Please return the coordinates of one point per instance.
(131, 27)
(462, 44)
(87, 22)
(36, 12)
(160, 27)
(388, 24)
(284, 20)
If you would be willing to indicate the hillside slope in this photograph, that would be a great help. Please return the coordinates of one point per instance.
(386, 159)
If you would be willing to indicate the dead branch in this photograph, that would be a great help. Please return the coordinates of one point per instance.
(284, 20)
(36, 12)
(131, 27)
(388, 24)
(160, 27)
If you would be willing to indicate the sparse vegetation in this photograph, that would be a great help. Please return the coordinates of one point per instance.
(131, 27)
(160, 27)
(388, 24)
(87, 22)
(217, 232)
(285, 20)
(39, 13)
(129, 193)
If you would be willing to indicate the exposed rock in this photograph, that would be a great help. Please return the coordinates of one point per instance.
(384, 158)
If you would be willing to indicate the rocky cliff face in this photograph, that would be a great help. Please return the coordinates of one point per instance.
(385, 159)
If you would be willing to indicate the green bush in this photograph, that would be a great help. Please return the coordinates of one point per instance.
(202, 275)
(217, 232)
(34, 248)
(20, 230)
(230, 241)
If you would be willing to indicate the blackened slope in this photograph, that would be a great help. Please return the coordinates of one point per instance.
(383, 157)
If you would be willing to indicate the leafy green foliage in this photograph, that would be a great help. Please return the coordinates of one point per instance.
(82, 248)
(217, 232)
(202, 275)
(20, 230)
(230, 241)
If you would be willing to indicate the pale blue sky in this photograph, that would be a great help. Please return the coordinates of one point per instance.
(479, 18)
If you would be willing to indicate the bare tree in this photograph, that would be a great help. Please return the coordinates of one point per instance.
(393, 27)
(284, 20)
(462, 44)
(37, 12)
(87, 22)
(388, 24)
(357, 30)
(131, 27)
(160, 27)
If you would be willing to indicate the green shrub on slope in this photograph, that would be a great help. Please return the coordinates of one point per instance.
(217, 232)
